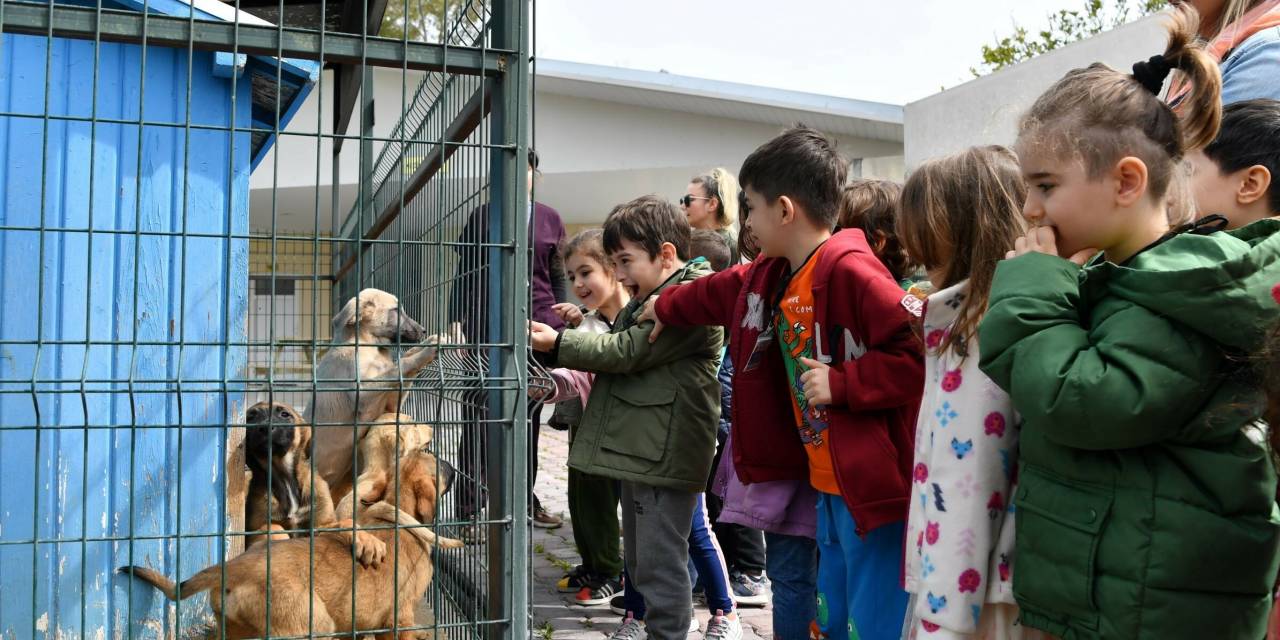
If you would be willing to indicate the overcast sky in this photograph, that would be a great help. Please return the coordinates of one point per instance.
(883, 50)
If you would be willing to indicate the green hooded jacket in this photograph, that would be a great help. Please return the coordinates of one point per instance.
(654, 408)
(1145, 498)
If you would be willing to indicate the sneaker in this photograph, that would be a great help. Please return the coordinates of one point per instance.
(599, 590)
(749, 591)
(722, 627)
(544, 520)
(618, 604)
(630, 629)
(573, 581)
(693, 622)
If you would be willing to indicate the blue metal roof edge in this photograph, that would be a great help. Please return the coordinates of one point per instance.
(300, 73)
(180, 9)
(689, 85)
(285, 117)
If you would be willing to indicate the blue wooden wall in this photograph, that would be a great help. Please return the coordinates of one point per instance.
(103, 329)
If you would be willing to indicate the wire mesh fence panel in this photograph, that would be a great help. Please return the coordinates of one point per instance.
(263, 367)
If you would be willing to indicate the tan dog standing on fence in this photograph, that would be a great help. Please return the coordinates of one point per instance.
(373, 319)
(322, 584)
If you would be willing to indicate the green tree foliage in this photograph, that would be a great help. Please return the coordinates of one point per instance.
(424, 20)
(1065, 26)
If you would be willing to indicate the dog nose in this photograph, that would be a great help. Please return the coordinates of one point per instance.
(410, 331)
(447, 475)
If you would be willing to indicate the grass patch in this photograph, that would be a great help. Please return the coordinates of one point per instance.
(546, 631)
(563, 565)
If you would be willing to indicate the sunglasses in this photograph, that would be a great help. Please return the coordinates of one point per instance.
(688, 200)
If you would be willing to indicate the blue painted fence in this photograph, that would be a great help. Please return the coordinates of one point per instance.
(115, 326)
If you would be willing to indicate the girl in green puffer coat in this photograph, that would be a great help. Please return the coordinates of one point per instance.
(1146, 499)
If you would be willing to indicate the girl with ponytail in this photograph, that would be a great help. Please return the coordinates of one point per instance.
(1123, 333)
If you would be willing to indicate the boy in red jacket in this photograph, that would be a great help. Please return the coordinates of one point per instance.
(830, 379)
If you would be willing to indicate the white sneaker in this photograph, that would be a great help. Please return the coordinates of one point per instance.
(693, 622)
(722, 627)
(630, 629)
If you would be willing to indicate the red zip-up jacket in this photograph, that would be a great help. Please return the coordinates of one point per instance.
(862, 321)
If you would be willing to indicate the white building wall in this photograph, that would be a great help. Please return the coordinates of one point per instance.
(986, 110)
(596, 154)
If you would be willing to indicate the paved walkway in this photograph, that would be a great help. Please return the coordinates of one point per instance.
(554, 617)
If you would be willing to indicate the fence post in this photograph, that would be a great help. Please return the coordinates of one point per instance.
(509, 560)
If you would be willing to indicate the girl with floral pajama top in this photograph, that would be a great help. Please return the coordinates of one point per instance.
(958, 215)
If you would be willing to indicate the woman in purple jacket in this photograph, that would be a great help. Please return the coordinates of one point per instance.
(469, 306)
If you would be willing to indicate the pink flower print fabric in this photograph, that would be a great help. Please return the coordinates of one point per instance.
(965, 453)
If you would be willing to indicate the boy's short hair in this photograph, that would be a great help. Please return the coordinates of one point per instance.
(712, 246)
(1250, 134)
(648, 221)
(802, 164)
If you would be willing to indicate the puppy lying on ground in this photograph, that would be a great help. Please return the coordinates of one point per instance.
(373, 320)
(322, 583)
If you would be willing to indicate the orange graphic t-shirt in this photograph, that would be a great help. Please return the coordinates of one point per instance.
(794, 326)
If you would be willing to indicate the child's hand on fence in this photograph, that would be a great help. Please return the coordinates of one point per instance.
(1044, 239)
(542, 337)
(648, 314)
(817, 384)
(568, 312)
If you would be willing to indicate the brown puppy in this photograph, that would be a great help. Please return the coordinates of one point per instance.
(322, 583)
(384, 443)
(282, 496)
(373, 320)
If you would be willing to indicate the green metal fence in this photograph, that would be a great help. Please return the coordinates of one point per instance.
(191, 191)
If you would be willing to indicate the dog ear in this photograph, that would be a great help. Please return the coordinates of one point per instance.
(346, 317)
(425, 491)
(303, 437)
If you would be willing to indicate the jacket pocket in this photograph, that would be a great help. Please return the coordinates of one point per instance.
(640, 421)
(1058, 529)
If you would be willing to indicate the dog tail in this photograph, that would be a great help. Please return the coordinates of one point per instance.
(203, 581)
(390, 513)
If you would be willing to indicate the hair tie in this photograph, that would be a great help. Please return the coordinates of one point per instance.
(1152, 72)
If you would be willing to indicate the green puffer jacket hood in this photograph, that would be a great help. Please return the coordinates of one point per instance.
(1222, 285)
(1146, 500)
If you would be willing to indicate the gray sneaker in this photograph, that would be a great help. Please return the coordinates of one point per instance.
(722, 627)
(630, 629)
(749, 591)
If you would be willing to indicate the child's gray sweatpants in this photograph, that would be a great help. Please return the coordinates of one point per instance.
(655, 536)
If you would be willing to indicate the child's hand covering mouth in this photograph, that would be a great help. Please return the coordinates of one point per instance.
(1043, 238)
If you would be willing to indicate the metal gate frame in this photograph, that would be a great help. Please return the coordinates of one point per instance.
(504, 98)
(504, 101)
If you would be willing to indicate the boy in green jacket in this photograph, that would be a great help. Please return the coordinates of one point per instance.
(651, 419)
